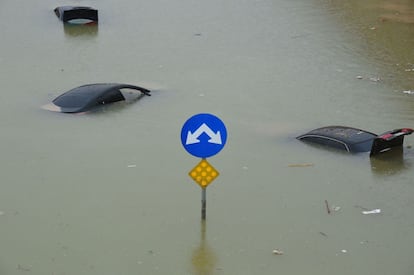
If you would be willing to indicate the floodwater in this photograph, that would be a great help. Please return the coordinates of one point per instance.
(109, 192)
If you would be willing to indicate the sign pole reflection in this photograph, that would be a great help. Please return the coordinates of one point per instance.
(203, 259)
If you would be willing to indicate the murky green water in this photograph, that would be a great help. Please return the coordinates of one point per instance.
(109, 193)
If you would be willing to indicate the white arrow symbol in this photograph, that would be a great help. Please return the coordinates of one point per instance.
(193, 137)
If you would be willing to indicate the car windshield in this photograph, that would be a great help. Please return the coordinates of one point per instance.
(76, 98)
(72, 101)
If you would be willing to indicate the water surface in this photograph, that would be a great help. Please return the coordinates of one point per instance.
(109, 193)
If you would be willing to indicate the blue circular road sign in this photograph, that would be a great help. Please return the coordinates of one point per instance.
(203, 135)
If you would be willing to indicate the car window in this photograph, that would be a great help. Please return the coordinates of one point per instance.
(326, 141)
(362, 146)
(71, 100)
(110, 97)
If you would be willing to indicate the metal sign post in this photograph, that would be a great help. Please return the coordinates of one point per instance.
(203, 135)
(203, 203)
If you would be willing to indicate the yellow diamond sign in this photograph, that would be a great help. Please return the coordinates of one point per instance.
(203, 173)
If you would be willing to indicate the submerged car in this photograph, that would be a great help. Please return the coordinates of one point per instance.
(355, 140)
(88, 97)
(77, 15)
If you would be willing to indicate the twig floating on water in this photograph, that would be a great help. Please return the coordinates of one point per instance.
(327, 207)
(301, 165)
(323, 234)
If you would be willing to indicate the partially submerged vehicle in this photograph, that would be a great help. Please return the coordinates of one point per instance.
(355, 140)
(77, 15)
(88, 97)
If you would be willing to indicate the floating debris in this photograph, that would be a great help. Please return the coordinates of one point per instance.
(301, 165)
(323, 234)
(374, 211)
(409, 92)
(344, 251)
(277, 252)
(332, 208)
(375, 79)
(132, 166)
(328, 209)
(336, 208)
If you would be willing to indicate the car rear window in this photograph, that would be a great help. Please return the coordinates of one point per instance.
(326, 141)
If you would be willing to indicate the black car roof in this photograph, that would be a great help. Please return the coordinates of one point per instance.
(356, 140)
(344, 134)
(84, 97)
(67, 13)
(79, 97)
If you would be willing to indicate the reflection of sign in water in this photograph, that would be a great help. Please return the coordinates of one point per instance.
(203, 259)
(203, 135)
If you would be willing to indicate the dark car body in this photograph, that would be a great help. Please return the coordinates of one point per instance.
(77, 15)
(356, 140)
(88, 97)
